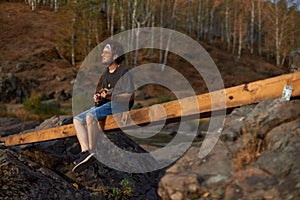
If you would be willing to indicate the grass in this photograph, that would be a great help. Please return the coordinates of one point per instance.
(249, 153)
(33, 108)
(163, 99)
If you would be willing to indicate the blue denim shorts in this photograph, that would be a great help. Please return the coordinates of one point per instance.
(99, 113)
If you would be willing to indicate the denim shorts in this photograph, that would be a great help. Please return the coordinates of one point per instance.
(100, 112)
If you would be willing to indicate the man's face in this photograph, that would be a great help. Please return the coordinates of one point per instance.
(107, 57)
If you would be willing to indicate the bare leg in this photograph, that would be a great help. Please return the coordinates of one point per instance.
(93, 131)
(82, 135)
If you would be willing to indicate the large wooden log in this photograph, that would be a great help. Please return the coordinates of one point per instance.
(244, 94)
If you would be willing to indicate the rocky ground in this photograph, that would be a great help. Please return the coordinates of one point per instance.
(255, 158)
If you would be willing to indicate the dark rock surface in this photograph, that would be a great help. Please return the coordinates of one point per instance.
(294, 61)
(44, 171)
(256, 158)
(10, 125)
(12, 89)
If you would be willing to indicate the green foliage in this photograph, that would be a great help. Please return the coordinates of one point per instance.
(163, 99)
(32, 102)
(3, 109)
(35, 105)
(121, 194)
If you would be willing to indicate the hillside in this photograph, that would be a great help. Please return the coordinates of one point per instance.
(28, 46)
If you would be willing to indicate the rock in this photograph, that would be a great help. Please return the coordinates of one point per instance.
(10, 126)
(233, 123)
(21, 178)
(19, 67)
(63, 95)
(282, 136)
(194, 177)
(52, 103)
(269, 114)
(54, 160)
(55, 121)
(273, 173)
(139, 95)
(252, 183)
(294, 61)
(12, 89)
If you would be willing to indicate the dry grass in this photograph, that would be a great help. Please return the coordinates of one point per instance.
(19, 112)
(249, 154)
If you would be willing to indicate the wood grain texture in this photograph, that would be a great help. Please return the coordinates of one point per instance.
(232, 97)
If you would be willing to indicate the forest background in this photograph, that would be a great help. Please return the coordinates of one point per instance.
(269, 28)
(248, 40)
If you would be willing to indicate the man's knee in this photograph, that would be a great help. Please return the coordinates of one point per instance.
(77, 121)
(90, 119)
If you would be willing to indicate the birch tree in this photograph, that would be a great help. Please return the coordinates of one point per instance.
(252, 26)
(259, 24)
(173, 22)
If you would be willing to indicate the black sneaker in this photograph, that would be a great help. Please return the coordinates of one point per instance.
(80, 157)
(86, 160)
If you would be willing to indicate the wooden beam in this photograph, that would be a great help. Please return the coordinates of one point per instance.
(244, 94)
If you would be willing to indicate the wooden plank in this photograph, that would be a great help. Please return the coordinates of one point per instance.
(39, 136)
(236, 96)
(244, 94)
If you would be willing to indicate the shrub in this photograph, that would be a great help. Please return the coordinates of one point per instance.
(3, 110)
(44, 110)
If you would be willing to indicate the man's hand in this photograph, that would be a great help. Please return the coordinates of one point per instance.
(97, 97)
(103, 93)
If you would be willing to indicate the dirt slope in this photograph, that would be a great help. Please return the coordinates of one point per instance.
(28, 49)
(27, 46)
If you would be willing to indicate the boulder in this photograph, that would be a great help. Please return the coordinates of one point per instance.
(50, 163)
(192, 178)
(272, 171)
(270, 114)
(21, 178)
(12, 89)
(10, 126)
(294, 61)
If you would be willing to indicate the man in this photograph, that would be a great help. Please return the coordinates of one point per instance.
(116, 79)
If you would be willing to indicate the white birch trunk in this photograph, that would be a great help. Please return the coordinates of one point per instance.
(73, 41)
(199, 20)
(161, 25)
(227, 31)
(252, 27)
(240, 39)
(259, 10)
(173, 22)
(56, 6)
(234, 29)
(277, 41)
(112, 19)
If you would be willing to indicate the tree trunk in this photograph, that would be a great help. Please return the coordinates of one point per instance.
(133, 26)
(112, 19)
(173, 21)
(211, 18)
(189, 19)
(161, 25)
(234, 28)
(240, 39)
(227, 31)
(252, 27)
(199, 20)
(108, 16)
(259, 10)
(73, 37)
(277, 42)
(122, 20)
